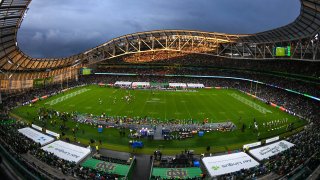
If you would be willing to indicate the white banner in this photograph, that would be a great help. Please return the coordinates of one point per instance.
(272, 139)
(67, 151)
(142, 84)
(219, 165)
(191, 85)
(123, 83)
(251, 145)
(270, 150)
(53, 134)
(181, 85)
(36, 136)
(36, 127)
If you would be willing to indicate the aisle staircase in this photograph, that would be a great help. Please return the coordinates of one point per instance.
(158, 133)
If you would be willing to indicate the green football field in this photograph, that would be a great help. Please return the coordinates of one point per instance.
(215, 105)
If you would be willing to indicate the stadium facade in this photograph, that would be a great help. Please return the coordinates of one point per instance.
(297, 41)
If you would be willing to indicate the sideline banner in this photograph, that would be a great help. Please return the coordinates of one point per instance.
(272, 139)
(192, 85)
(270, 150)
(219, 165)
(36, 127)
(251, 145)
(123, 83)
(140, 84)
(178, 85)
(36, 136)
(53, 134)
(67, 151)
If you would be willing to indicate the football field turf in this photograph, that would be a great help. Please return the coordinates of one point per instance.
(214, 105)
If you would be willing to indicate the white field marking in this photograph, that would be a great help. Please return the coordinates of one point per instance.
(88, 107)
(151, 101)
(65, 97)
(109, 109)
(201, 113)
(161, 102)
(250, 103)
(155, 99)
(183, 101)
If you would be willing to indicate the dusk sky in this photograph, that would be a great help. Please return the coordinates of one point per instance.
(60, 28)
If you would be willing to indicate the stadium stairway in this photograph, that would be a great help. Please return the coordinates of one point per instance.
(158, 133)
(143, 167)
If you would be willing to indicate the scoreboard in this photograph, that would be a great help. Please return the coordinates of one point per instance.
(85, 71)
(282, 51)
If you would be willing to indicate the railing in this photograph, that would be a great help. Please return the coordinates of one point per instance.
(132, 165)
(151, 168)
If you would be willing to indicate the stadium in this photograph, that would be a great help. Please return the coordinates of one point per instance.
(164, 104)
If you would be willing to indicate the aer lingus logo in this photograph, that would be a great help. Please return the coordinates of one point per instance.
(50, 146)
(215, 167)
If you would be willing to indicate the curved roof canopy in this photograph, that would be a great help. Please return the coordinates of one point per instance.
(306, 26)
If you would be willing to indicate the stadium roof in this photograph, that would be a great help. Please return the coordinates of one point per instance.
(306, 25)
(12, 59)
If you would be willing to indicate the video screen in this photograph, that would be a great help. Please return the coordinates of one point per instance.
(85, 71)
(282, 51)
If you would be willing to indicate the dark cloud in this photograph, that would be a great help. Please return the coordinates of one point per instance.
(61, 28)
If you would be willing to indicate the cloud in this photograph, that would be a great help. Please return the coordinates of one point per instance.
(62, 28)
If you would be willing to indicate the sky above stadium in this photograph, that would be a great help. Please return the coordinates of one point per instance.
(60, 28)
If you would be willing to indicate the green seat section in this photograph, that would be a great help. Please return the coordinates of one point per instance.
(108, 167)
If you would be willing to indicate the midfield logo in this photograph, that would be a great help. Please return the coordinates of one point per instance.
(177, 173)
(106, 167)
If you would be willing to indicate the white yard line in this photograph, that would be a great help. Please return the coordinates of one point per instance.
(65, 97)
(250, 103)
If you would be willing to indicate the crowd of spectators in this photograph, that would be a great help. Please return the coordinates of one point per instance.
(171, 58)
(94, 174)
(299, 104)
(306, 142)
(311, 87)
(66, 167)
(19, 145)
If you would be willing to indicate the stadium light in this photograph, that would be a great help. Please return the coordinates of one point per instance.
(9, 61)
